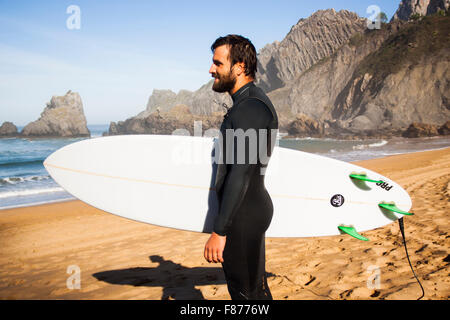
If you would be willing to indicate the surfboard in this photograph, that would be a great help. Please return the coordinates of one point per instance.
(168, 180)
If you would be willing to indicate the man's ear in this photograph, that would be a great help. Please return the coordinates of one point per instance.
(240, 68)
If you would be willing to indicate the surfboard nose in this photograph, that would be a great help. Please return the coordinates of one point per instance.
(47, 161)
(54, 160)
(51, 159)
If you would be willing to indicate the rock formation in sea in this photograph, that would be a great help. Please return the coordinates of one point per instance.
(62, 117)
(8, 129)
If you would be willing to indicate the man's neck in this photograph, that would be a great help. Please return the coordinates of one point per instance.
(239, 84)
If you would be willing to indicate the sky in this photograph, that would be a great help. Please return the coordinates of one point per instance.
(115, 53)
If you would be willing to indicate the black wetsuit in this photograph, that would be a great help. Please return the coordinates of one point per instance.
(245, 207)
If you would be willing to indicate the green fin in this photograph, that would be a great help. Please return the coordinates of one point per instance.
(363, 177)
(352, 231)
(392, 207)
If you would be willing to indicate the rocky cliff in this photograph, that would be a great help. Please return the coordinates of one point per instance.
(203, 101)
(378, 83)
(332, 76)
(416, 8)
(314, 92)
(417, 130)
(62, 117)
(178, 120)
(309, 41)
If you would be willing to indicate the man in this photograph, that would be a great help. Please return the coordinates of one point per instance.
(245, 207)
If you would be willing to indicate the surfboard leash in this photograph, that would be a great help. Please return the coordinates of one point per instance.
(402, 230)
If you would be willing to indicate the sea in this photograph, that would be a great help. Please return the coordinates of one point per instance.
(25, 182)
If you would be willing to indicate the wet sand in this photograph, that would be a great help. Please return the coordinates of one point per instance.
(42, 249)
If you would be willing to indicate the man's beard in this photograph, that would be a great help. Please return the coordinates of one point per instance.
(225, 83)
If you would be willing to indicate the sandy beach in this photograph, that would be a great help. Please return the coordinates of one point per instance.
(45, 248)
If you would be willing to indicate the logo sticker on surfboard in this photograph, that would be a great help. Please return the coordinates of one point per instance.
(337, 200)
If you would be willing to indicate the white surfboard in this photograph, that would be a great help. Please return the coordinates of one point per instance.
(168, 181)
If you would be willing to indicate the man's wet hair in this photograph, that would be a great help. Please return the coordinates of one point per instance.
(241, 50)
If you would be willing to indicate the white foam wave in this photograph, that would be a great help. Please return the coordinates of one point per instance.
(15, 180)
(18, 193)
(378, 144)
(371, 145)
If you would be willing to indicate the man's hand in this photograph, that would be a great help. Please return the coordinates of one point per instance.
(214, 248)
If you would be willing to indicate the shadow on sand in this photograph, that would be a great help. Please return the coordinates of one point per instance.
(178, 282)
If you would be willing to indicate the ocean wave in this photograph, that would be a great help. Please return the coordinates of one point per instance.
(378, 144)
(18, 163)
(29, 192)
(16, 180)
(371, 145)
